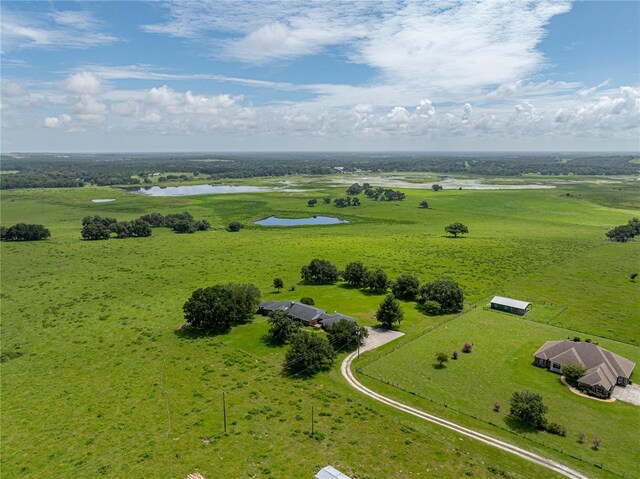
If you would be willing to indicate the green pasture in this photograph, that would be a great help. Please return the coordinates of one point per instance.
(94, 367)
(501, 363)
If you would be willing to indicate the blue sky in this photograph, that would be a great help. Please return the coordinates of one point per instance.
(230, 75)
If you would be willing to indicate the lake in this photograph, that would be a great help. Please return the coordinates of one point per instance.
(313, 220)
(201, 190)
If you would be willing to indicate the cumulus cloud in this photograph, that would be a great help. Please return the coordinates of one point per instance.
(57, 122)
(466, 112)
(83, 83)
(425, 109)
(90, 109)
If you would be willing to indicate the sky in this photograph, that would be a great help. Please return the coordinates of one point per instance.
(442, 75)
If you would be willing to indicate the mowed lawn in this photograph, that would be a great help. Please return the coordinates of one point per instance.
(92, 359)
(501, 363)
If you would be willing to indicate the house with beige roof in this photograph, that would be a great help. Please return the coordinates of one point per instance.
(604, 369)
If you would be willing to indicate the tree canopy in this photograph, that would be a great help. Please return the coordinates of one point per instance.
(346, 335)
(405, 286)
(456, 229)
(219, 307)
(354, 273)
(234, 226)
(446, 292)
(389, 312)
(424, 204)
(308, 354)
(376, 280)
(24, 232)
(319, 271)
(528, 408)
(281, 326)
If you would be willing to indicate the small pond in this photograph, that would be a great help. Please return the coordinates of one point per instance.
(105, 200)
(200, 190)
(314, 220)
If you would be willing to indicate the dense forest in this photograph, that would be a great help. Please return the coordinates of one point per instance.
(60, 171)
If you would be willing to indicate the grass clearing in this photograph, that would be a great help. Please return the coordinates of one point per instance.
(501, 363)
(93, 358)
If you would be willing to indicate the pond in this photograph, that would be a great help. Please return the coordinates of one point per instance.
(104, 200)
(201, 190)
(314, 220)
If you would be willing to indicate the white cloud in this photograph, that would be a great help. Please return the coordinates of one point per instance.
(425, 109)
(13, 89)
(60, 29)
(90, 109)
(83, 83)
(466, 113)
(57, 122)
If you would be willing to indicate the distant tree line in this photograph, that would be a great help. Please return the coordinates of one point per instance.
(24, 232)
(51, 171)
(624, 233)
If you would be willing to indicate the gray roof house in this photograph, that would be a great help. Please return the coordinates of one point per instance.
(328, 320)
(604, 369)
(308, 315)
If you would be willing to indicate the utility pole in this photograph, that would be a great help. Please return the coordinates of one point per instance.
(224, 410)
(358, 334)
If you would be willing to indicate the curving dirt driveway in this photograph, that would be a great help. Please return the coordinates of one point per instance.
(378, 337)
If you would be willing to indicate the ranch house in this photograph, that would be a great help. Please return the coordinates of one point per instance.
(509, 305)
(604, 369)
(307, 315)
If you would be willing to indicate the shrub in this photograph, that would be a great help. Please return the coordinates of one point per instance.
(454, 355)
(596, 443)
(573, 372)
(441, 358)
(432, 308)
(555, 428)
(308, 301)
(234, 226)
(497, 406)
(467, 348)
(581, 437)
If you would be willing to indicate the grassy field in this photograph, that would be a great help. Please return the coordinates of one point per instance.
(501, 363)
(98, 382)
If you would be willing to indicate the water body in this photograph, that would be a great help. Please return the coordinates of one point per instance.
(201, 190)
(105, 200)
(446, 183)
(314, 220)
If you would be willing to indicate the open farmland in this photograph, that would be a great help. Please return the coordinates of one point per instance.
(97, 373)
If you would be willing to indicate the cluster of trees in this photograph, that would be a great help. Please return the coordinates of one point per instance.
(344, 202)
(178, 222)
(436, 297)
(436, 187)
(624, 233)
(310, 353)
(24, 232)
(50, 171)
(218, 308)
(424, 204)
(528, 408)
(384, 194)
(234, 226)
(99, 228)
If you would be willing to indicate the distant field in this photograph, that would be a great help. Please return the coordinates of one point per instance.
(500, 363)
(90, 326)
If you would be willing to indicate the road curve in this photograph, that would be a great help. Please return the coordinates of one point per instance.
(505, 446)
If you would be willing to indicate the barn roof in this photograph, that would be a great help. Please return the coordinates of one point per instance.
(513, 303)
(329, 472)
